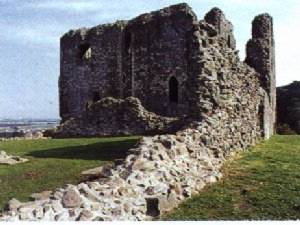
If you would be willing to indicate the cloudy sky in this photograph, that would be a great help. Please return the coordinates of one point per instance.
(30, 32)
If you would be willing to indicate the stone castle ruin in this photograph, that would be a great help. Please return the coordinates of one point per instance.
(161, 70)
(164, 73)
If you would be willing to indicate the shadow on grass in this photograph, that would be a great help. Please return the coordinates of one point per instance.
(104, 151)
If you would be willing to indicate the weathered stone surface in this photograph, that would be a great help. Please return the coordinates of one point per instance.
(10, 160)
(101, 171)
(57, 206)
(71, 198)
(13, 204)
(38, 212)
(85, 215)
(41, 196)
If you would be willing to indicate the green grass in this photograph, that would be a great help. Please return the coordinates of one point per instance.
(262, 184)
(54, 163)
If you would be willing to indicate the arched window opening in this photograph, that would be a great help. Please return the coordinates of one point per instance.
(96, 96)
(85, 52)
(173, 90)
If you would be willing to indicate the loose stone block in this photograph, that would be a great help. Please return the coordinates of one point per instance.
(71, 198)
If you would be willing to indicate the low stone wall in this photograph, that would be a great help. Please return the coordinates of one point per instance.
(161, 172)
(111, 116)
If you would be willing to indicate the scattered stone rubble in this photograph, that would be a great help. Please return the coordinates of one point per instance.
(25, 136)
(18, 135)
(158, 174)
(10, 160)
(126, 117)
(153, 179)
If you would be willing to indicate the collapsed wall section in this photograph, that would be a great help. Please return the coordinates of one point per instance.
(111, 116)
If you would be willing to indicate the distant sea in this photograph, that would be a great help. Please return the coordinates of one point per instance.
(15, 125)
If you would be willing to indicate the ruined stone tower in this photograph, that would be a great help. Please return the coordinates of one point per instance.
(162, 70)
(261, 56)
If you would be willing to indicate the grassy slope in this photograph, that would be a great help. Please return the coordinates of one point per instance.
(263, 183)
(54, 163)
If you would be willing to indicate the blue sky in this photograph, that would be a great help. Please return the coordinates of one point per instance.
(30, 32)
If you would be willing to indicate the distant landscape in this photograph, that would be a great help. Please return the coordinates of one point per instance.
(21, 127)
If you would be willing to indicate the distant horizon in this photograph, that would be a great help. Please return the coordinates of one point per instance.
(29, 63)
(22, 119)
